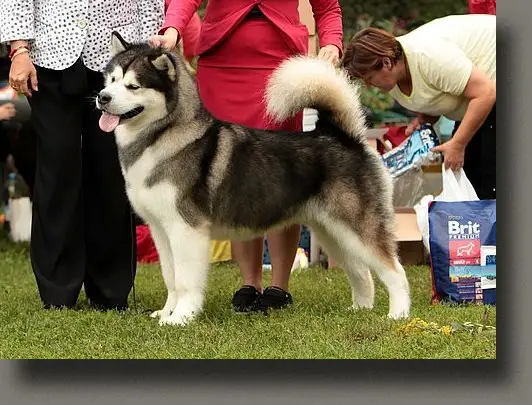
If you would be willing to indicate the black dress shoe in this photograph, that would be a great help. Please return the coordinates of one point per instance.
(245, 299)
(274, 298)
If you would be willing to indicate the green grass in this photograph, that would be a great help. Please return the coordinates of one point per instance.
(317, 325)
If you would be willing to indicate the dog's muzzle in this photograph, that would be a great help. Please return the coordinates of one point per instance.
(108, 121)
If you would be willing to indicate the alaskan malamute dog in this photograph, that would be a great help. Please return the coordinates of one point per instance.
(193, 178)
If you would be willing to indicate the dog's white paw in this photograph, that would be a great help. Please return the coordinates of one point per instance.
(168, 308)
(360, 302)
(161, 313)
(180, 316)
(176, 320)
(356, 307)
(397, 315)
(399, 303)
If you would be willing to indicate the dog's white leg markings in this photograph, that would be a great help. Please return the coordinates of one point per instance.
(162, 244)
(359, 276)
(190, 252)
(356, 257)
(363, 289)
(397, 285)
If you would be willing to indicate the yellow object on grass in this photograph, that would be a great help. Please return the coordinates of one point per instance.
(220, 251)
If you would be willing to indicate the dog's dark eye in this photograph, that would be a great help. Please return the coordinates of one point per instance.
(112, 79)
(132, 87)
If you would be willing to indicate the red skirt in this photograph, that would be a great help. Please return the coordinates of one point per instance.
(232, 77)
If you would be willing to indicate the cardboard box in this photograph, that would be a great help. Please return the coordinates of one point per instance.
(411, 249)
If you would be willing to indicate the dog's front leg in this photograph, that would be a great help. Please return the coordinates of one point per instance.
(190, 254)
(162, 243)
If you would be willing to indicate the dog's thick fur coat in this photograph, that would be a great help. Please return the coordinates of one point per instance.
(193, 178)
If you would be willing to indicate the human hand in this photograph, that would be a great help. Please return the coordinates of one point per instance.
(169, 40)
(7, 111)
(330, 53)
(22, 74)
(453, 154)
(414, 124)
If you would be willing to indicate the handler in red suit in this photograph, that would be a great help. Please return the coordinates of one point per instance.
(240, 44)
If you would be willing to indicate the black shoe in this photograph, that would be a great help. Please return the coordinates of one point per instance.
(245, 299)
(274, 298)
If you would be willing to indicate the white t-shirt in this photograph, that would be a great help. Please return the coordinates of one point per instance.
(440, 56)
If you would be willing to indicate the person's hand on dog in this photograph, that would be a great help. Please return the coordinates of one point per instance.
(7, 111)
(168, 41)
(330, 53)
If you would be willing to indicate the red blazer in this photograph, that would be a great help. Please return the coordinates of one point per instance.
(483, 7)
(190, 35)
(223, 15)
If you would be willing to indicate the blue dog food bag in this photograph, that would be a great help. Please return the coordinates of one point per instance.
(463, 251)
(413, 152)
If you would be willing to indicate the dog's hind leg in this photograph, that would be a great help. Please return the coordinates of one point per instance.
(394, 277)
(162, 244)
(373, 250)
(190, 254)
(358, 274)
(363, 289)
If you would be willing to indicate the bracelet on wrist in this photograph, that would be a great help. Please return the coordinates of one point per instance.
(18, 50)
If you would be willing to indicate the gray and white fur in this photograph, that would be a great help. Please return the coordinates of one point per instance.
(194, 178)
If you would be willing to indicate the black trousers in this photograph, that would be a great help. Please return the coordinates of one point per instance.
(480, 158)
(82, 230)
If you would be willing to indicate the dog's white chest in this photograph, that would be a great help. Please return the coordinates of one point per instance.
(153, 202)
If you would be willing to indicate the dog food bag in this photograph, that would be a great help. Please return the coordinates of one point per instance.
(463, 251)
(413, 152)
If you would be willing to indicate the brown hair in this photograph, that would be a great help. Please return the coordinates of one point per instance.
(367, 50)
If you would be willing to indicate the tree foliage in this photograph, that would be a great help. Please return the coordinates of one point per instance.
(383, 12)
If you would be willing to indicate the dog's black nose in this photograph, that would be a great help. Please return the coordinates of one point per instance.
(104, 98)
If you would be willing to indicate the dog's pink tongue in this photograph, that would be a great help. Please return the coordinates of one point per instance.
(108, 122)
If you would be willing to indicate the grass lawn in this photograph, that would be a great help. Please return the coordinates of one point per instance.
(317, 325)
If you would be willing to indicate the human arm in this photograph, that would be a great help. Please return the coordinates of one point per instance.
(190, 37)
(328, 16)
(178, 15)
(482, 94)
(16, 20)
(446, 68)
(151, 17)
(418, 121)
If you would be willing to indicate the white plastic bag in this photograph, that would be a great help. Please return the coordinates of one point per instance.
(409, 188)
(20, 219)
(456, 187)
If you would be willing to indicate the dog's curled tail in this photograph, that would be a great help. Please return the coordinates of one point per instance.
(307, 82)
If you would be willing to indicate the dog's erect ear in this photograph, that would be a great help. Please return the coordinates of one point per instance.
(166, 64)
(118, 44)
